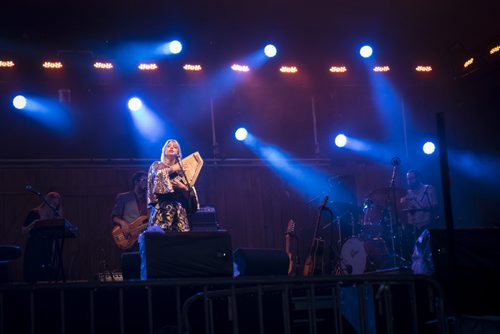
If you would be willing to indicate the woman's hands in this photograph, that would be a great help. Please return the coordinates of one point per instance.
(178, 184)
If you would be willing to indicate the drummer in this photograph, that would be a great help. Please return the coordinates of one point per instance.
(420, 203)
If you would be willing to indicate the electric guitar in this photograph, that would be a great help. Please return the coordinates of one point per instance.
(288, 235)
(314, 264)
(136, 227)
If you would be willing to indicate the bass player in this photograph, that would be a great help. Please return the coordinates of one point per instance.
(129, 211)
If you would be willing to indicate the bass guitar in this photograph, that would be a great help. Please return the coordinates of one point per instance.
(314, 264)
(136, 227)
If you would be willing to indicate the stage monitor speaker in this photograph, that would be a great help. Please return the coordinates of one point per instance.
(260, 262)
(185, 254)
(131, 265)
(470, 278)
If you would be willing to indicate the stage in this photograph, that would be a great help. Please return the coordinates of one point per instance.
(391, 303)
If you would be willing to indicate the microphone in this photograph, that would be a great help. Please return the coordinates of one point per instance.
(323, 204)
(395, 161)
(29, 188)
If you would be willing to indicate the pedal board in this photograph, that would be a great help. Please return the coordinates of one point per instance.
(116, 276)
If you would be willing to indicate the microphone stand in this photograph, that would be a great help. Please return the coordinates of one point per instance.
(190, 188)
(55, 211)
(183, 174)
(335, 248)
(394, 219)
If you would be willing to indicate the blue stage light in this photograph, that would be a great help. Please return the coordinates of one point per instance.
(340, 140)
(19, 102)
(241, 134)
(175, 47)
(134, 104)
(429, 147)
(270, 50)
(366, 51)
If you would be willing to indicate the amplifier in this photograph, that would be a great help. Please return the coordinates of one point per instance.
(205, 219)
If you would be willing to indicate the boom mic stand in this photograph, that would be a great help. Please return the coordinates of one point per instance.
(183, 174)
(393, 213)
(30, 188)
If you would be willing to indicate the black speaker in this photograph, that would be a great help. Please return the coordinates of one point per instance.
(185, 254)
(467, 266)
(8, 253)
(203, 220)
(131, 265)
(260, 262)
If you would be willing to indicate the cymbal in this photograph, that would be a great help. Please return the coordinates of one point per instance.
(415, 210)
(383, 195)
(343, 207)
(387, 190)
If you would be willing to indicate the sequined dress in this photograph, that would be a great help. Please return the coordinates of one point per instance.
(169, 205)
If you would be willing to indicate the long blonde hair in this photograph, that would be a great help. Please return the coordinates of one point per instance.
(162, 159)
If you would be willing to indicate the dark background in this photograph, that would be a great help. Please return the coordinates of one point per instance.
(93, 159)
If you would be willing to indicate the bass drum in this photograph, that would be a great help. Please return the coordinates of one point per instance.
(363, 255)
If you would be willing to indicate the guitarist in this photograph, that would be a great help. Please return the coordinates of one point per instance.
(131, 205)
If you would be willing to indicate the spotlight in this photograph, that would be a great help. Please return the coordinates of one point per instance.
(134, 104)
(340, 140)
(241, 134)
(175, 47)
(240, 68)
(338, 69)
(19, 102)
(190, 67)
(384, 68)
(52, 65)
(270, 50)
(100, 65)
(147, 67)
(7, 63)
(289, 69)
(429, 147)
(366, 51)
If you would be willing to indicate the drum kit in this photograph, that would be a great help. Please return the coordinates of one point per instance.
(371, 237)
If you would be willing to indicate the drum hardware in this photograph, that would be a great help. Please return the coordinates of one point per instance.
(381, 217)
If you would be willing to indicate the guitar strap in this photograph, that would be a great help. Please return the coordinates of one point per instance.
(141, 206)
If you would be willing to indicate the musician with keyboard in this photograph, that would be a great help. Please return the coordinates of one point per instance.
(171, 195)
(41, 250)
(129, 214)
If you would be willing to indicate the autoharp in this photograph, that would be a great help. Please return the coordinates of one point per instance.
(192, 166)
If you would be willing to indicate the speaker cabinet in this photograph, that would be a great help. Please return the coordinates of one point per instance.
(260, 262)
(185, 254)
(467, 266)
(131, 265)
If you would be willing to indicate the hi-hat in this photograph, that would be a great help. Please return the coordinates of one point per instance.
(342, 208)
